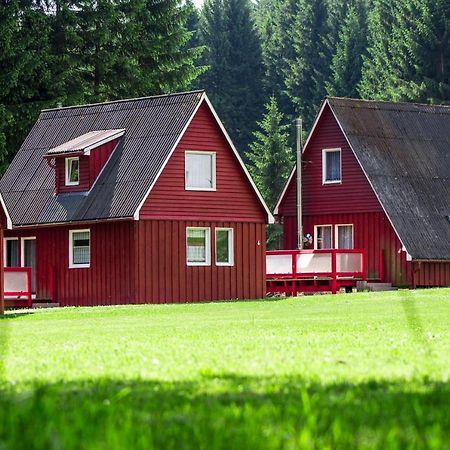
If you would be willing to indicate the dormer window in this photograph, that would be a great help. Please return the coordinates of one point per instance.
(200, 171)
(73, 171)
(79, 162)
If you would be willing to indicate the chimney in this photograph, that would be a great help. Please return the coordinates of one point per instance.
(299, 129)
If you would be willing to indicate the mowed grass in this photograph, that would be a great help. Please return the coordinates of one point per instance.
(337, 372)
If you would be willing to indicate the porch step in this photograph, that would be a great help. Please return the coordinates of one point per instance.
(374, 287)
(41, 305)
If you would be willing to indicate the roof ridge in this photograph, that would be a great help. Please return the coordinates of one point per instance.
(173, 94)
(387, 102)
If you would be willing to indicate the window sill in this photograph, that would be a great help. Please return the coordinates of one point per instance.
(193, 264)
(79, 266)
(332, 182)
(200, 189)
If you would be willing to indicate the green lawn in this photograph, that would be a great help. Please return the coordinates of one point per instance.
(335, 372)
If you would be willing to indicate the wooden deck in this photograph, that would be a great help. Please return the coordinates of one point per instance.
(290, 272)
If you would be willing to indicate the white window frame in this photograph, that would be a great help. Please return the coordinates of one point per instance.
(324, 165)
(22, 248)
(230, 246)
(213, 169)
(316, 227)
(67, 171)
(207, 247)
(71, 263)
(5, 250)
(336, 234)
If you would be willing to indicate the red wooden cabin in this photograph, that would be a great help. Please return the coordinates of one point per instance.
(376, 177)
(134, 201)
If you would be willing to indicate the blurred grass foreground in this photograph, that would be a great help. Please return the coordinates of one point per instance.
(337, 372)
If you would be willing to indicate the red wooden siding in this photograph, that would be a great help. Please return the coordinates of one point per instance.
(90, 168)
(234, 199)
(109, 280)
(352, 202)
(60, 174)
(98, 158)
(164, 277)
(354, 194)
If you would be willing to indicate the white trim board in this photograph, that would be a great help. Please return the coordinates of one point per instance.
(8, 218)
(204, 98)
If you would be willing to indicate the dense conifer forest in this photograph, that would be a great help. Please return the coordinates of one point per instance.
(262, 63)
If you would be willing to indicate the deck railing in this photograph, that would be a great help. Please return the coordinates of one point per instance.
(334, 265)
(17, 286)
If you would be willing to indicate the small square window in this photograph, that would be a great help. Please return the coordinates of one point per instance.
(72, 171)
(200, 171)
(224, 247)
(331, 166)
(198, 249)
(79, 248)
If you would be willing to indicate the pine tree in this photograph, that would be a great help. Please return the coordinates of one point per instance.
(24, 70)
(270, 158)
(409, 51)
(270, 162)
(346, 63)
(233, 54)
(309, 69)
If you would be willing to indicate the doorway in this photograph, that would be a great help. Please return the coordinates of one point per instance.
(28, 258)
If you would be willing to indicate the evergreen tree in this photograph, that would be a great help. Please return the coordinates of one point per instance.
(275, 20)
(24, 70)
(233, 54)
(270, 158)
(309, 69)
(270, 162)
(346, 63)
(409, 51)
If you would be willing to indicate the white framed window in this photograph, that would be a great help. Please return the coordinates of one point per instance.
(11, 252)
(331, 166)
(323, 237)
(72, 171)
(224, 247)
(200, 171)
(343, 236)
(79, 248)
(198, 246)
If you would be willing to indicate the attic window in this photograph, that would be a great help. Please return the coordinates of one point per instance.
(72, 171)
(200, 171)
(331, 166)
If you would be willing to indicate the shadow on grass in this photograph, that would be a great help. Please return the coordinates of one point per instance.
(225, 412)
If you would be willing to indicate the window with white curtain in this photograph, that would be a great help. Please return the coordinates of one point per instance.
(79, 248)
(331, 166)
(200, 171)
(323, 237)
(198, 249)
(344, 236)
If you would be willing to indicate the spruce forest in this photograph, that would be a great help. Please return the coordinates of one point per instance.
(261, 63)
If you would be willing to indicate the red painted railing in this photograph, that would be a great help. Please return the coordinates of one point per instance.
(17, 286)
(337, 266)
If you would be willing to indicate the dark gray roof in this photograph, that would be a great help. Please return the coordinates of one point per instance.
(153, 126)
(404, 149)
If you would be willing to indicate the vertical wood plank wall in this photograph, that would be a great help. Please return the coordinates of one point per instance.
(164, 277)
(109, 280)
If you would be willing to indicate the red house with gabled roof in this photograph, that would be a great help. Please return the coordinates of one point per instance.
(376, 177)
(133, 201)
